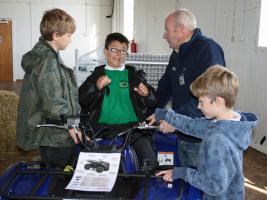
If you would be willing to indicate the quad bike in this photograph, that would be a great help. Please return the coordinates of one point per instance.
(32, 181)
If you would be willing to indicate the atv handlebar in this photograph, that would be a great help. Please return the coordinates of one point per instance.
(53, 126)
(73, 122)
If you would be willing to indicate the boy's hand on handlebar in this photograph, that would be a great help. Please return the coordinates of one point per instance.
(73, 135)
(102, 81)
(151, 119)
(166, 175)
(166, 127)
(163, 127)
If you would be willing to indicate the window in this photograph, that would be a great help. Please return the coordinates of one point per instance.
(262, 42)
(128, 18)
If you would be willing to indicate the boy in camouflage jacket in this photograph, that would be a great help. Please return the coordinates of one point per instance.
(49, 89)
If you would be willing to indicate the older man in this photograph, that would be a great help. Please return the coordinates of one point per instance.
(192, 54)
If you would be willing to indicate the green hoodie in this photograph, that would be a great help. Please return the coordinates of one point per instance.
(49, 89)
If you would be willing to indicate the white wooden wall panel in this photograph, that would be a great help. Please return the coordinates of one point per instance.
(232, 23)
(90, 17)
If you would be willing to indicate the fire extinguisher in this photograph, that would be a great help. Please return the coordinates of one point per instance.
(133, 47)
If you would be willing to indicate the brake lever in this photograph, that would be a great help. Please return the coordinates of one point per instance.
(143, 125)
(53, 126)
(147, 127)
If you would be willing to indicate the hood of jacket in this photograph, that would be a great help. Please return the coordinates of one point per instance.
(239, 132)
(35, 56)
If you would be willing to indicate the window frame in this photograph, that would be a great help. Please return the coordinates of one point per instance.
(261, 21)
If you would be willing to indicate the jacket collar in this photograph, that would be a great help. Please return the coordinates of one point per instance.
(188, 43)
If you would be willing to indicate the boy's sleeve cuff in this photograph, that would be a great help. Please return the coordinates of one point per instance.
(179, 172)
(160, 114)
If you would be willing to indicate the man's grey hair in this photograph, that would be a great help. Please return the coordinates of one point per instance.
(186, 18)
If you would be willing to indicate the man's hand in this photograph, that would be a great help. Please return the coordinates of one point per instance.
(167, 175)
(151, 119)
(142, 90)
(102, 81)
(166, 127)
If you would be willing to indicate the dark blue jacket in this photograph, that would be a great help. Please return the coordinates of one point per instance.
(194, 57)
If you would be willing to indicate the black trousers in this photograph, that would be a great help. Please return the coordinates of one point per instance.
(142, 145)
(57, 157)
(143, 148)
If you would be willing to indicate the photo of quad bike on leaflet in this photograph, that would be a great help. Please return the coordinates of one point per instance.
(98, 166)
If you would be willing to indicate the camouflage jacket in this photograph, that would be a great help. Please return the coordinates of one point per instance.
(49, 89)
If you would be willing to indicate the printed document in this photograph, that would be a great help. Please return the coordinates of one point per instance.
(95, 172)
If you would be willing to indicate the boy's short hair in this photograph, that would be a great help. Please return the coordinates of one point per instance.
(217, 81)
(56, 21)
(116, 37)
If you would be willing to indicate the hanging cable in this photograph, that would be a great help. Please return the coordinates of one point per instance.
(110, 16)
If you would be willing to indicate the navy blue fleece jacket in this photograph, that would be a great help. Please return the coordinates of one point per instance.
(194, 57)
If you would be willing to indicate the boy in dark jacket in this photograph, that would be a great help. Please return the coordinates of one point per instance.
(117, 96)
(49, 89)
(225, 134)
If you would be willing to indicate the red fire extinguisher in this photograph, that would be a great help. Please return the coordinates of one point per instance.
(133, 47)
